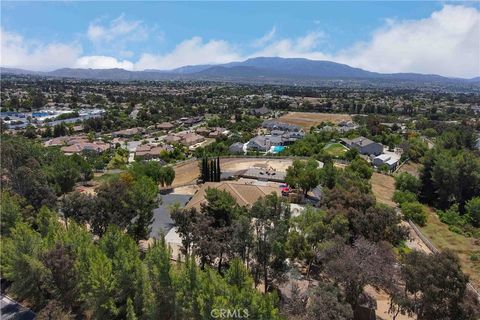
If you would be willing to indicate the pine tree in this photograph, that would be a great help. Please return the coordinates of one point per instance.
(130, 310)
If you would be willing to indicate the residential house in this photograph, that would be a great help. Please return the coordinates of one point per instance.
(276, 125)
(191, 138)
(236, 148)
(79, 147)
(167, 126)
(259, 143)
(391, 160)
(171, 138)
(364, 145)
(126, 133)
(149, 151)
(263, 111)
(191, 121)
(245, 195)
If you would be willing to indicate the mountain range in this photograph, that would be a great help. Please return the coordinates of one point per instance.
(261, 69)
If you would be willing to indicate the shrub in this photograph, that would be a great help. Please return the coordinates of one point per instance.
(414, 211)
(404, 196)
(451, 216)
(473, 211)
(406, 182)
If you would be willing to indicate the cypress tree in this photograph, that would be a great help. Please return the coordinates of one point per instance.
(219, 173)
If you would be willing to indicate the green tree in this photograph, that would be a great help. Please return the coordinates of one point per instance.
(361, 167)
(21, 264)
(406, 182)
(270, 223)
(434, 297)
(78, 206)
(473, 211)
(130, 311)
(11, 212)
(157, 261)
(303, 174)
(414, 211)
(143, 199)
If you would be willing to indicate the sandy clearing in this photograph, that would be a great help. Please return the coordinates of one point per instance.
(311, 119)
(189, 171)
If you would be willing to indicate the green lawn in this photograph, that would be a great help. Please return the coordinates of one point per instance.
(105, 177)
(335, 149)
(443, 238)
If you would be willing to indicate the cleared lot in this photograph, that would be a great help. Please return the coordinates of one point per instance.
(188, 172)
(383, 187)
(311, 119)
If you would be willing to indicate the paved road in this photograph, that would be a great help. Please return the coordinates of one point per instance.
(162, 222)
(10, 310)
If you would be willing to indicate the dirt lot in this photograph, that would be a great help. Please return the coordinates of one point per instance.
(309, 119)
(383, 187)
(188, 172)
(411, 168)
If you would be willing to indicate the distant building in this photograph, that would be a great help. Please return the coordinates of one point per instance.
(236, 148)
(191, 121)
(79, 147)
(259, 143)
(263, 111)
(171, 138)
(191, 138)
(148, 151)
(127, 132)
(167, 126)
(388, 159)
(276, 125)
(364, 145)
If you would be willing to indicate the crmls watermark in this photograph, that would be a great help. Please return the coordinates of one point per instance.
(229, 313)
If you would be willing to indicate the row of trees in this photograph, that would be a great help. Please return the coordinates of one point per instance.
(210, 169)
(66, 274)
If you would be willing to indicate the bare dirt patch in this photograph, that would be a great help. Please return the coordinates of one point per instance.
(186, 172)
(411, 168)
(311, 119)
(236, 164)
(189, 171)
(383, 304)
(383, 187)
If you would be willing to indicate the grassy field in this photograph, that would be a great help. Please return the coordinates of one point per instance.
(309, 119)
(383, 187)
(335, 149)
(443, 238)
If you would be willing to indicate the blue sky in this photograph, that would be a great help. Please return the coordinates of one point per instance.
(426, 37)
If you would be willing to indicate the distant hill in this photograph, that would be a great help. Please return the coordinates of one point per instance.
(262, 68)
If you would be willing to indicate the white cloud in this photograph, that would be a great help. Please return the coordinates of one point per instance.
(446, 43)
(266, 38)
(301, 47)
(16, 52)
(190, 52)
(118, 28)
(102, 62)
